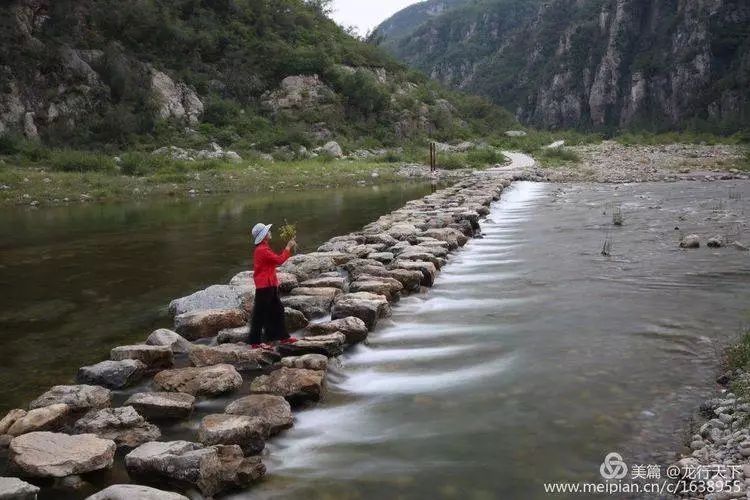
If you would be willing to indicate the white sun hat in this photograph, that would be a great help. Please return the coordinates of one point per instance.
(260, 231)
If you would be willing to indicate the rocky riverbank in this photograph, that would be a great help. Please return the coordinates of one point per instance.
(191, 408)
(613, 162)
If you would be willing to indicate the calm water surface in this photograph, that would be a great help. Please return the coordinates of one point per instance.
(77, 281)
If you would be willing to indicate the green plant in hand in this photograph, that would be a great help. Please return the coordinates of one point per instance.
(287, 232)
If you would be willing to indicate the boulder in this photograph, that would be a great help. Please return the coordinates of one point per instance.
(134, 492)
(428, 269)
(333, 149)
(287, 281)
(294, 319)
(79, 397)
(233, 335)
(204, 381)
(50, 454)
(250, 433)
(10, 418)
(295, 384)
(201, 324)
(112, 374)
(124, 425)
(380, 238)
(402, 230)
(211, 469)
(306, 361)
(46, 418)
(241, 356)
(216, 297)
(353, 328)
(389, 287)
(325, 282)
(690, 241)
(12, 488)
(308, 266)
(515, 133)
(155, 357)
(312, 306)
(168, 338)
(273, 410)
(162, 405)
(329, 345)
(366, 306)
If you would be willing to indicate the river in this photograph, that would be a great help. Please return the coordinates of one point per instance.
(80, 280)
(534, 355)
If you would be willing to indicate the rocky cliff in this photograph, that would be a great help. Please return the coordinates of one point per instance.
(594, 64)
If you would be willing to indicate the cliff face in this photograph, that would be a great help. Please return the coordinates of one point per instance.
(596, 64)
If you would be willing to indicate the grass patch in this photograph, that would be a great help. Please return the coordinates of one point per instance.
(556, 157)
(660, 139)
(80, 161)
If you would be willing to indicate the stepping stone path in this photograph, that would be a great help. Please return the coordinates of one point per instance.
(353, 279)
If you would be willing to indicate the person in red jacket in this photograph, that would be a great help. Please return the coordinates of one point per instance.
(267, 323)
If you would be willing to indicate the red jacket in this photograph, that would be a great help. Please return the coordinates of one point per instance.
(265, 262)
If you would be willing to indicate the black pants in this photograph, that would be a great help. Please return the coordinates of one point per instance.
(267, 323)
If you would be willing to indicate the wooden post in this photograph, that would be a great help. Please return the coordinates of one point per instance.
(433, 157)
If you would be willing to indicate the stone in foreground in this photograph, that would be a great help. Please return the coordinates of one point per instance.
(366, 306)
(212, 469)
(233, 335)
(294, 320)
(205, 381)
(162, 405)
(135, 492)
(112, 374)
(690, 241)
(241, 356)
(50, 454)
(46, 418)
(12, 488)
(238, 295)
(153, 356)
(201, 324)
(273, 410)
(122, 425)
(79, 397)
(353, 328)
(296, 385)
(249, 433)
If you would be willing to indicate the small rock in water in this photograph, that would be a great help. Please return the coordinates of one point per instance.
(271, 409)
(164, 405)
(690, 241)
(135, 491)
(715, 242)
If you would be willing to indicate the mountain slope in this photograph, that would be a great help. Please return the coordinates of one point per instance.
(595, 64)
(248, 73)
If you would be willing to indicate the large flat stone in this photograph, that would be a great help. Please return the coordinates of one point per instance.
(162, 405)
(232, 296)
(202, 324)
(271, 409)
(306, 361)
(204, 381)
(326, 282)
(329, 345)
(241, 356)
(212, 469)
(79, 397)
(112, 374)
(311, 306)
(49, 454)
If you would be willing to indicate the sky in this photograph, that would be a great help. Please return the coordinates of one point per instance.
(366, 14)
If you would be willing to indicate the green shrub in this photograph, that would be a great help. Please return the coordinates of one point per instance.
(483, 157)
(451, 161)
(9, 144)
(66, 160)
(557, 156)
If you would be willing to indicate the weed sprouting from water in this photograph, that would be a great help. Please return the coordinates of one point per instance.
(617, 218)
(735, 194)
(607, 246)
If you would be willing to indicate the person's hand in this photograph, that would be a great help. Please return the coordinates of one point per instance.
(292, 245)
